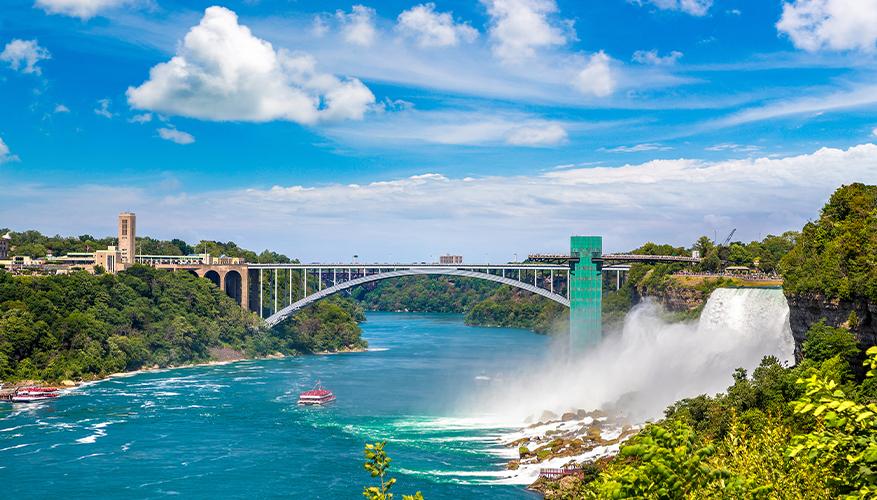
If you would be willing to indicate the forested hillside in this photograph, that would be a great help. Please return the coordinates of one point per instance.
(441, 294)
(82, 326)
(837, 254)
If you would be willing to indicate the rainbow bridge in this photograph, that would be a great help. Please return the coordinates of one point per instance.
(543, 274)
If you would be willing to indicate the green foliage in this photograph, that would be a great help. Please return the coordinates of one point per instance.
(515, 308)
(99, 269)
(378, 464)
(673, 464)
(81, 326)
(440, 294)
(326, 326)
(846, 437)
(837, 254)
(824, 342)
(35, 245)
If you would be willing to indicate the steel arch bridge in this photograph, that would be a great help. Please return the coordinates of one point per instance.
(484, 274)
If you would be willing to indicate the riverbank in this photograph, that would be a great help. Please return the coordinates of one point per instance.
(229, 356)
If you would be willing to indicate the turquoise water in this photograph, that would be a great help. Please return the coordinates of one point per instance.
(234, 430)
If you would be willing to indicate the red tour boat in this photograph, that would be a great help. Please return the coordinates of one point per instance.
(32, 394)
(316, 396)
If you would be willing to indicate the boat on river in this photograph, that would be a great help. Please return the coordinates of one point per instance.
(316, 396)
(34, 394)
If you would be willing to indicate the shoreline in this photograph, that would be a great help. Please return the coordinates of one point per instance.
(71, 384)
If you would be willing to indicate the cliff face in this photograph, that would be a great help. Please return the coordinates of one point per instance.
(808, 308)
(672, 299)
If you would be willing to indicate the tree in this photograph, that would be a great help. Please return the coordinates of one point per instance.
(824, 342)
(378, 463)
(703, 245)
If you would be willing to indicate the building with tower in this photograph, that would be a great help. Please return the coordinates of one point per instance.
(127, 237)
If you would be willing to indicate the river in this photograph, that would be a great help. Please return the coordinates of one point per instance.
(234, 430)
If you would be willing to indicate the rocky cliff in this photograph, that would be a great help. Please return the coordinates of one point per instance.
(808, 308)
(672, 299)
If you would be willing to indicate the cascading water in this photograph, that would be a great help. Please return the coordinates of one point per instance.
(636, 373)
(653, 362)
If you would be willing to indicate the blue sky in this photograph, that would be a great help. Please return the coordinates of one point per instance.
(487, 128)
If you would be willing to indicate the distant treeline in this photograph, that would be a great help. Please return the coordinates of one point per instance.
(35, 245)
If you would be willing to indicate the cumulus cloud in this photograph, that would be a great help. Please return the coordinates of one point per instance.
(536, 135)
(596, 78)
(874, 132)
(434, 29)
(518, 27)
(18, 52)
(693, 7)
(4, 153)
(144, 118)
(61, 109)
(830, 24)
(651, 57)
(84, 9)
(175, 135)
(359, 25)
(222, 72)
(103, 111)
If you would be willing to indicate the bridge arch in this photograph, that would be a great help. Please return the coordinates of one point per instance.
(279, 316)
(213, 276)
(234, 285)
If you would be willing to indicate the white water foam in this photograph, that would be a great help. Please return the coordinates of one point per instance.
(644, 368)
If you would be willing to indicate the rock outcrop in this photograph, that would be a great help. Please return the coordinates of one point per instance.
(808, 308)
(672, 299)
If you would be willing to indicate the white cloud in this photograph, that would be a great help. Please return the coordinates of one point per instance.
(536, 135)
(144, 118)
(830, 24)
(27, 52)
(84, 9)
(661, 200)
(4, 153)
(320, 26)
(874, 132)
(651, 146)
(596, 78)
(520, 26)
(733, 147)
(175, 135)
(651, 57)
(61, 109)
(693, 7)
(359, 25)
(434, 29)
(222, 72)
(104, 104)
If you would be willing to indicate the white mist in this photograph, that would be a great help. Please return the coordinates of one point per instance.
(658, 362)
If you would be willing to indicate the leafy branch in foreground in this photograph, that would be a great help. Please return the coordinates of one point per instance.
(847, 437)
(378, 464)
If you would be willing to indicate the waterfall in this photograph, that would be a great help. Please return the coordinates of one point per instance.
(651, 363)
(757, 314)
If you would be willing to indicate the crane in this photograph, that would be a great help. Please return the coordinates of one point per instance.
(728, 239)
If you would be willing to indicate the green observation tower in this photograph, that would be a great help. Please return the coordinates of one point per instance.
(585, 293)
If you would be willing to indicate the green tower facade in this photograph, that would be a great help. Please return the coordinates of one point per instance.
(585, 293)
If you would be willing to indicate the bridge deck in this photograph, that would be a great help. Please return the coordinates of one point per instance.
(400, 266)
